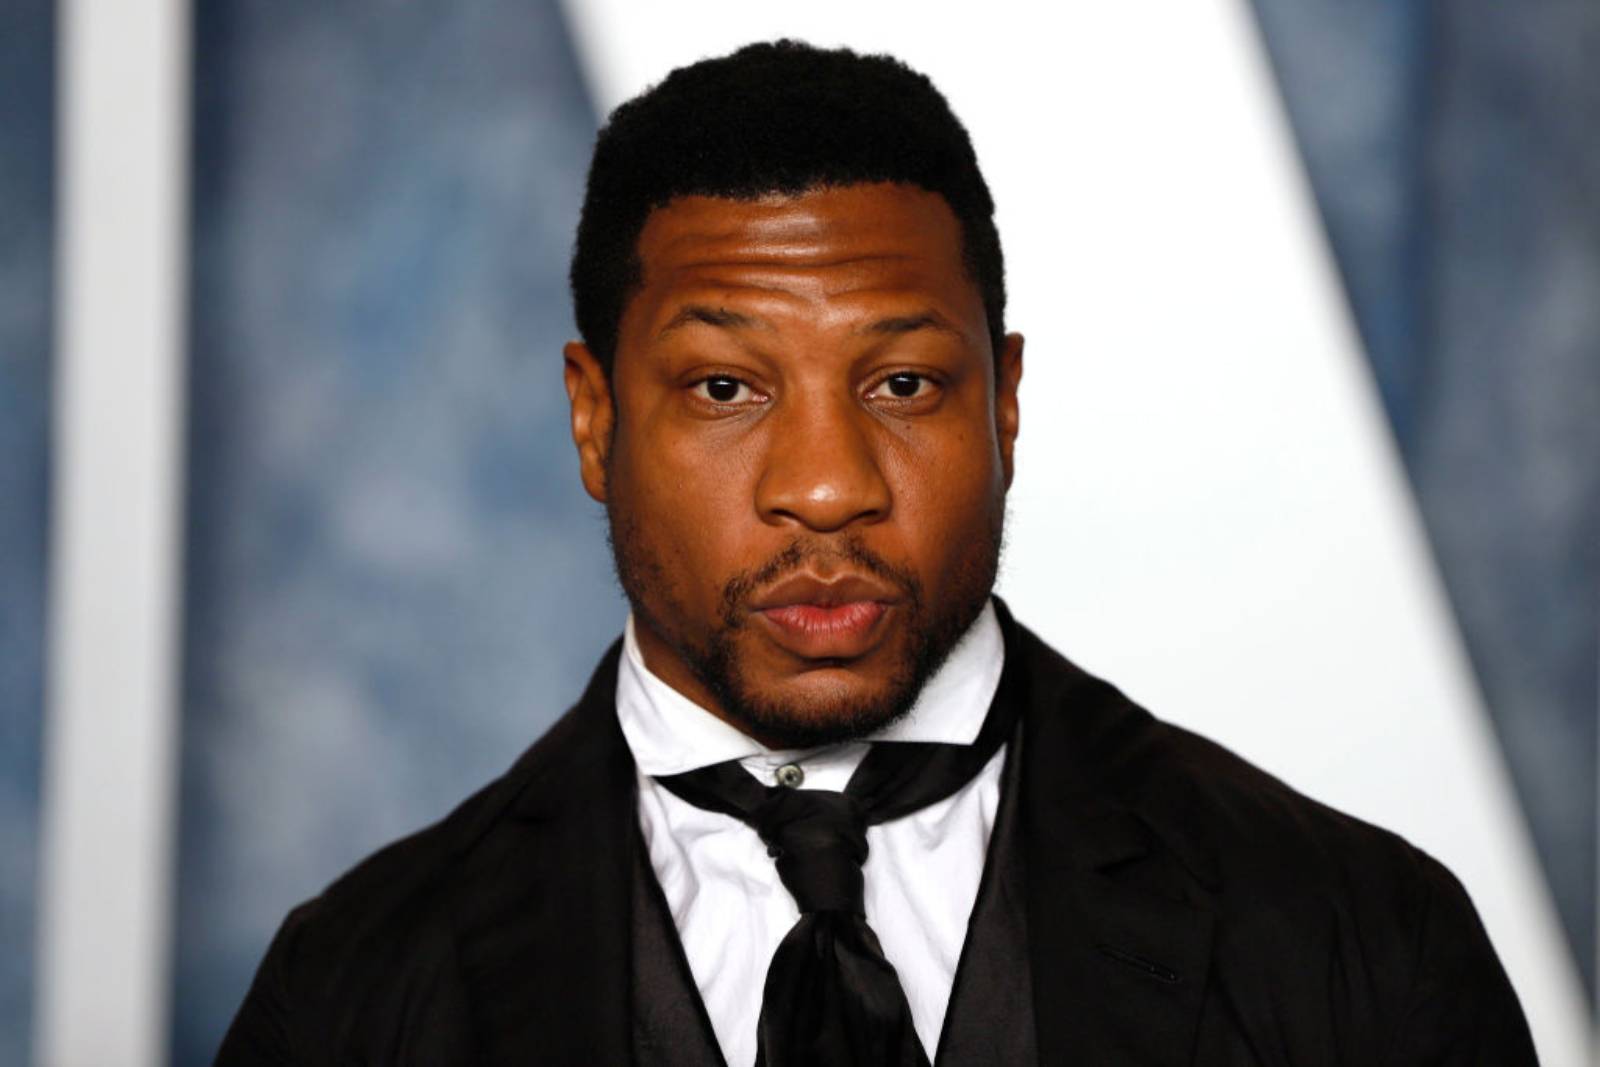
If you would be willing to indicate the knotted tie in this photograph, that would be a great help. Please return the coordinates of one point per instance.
(830, 996)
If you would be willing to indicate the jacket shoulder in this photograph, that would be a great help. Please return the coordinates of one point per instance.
(1323, 921)
(381, 939)
(408, 873)
(1235, 825)
(1315, 906)
(1262, 831)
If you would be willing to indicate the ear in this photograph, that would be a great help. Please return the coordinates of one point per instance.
(593, 415)
(1007, 417)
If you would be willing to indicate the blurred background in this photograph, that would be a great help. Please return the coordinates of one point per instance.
(293, 555)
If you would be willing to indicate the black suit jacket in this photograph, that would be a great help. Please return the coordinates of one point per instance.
(1182, 906)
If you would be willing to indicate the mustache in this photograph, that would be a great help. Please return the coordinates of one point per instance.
(738, 590)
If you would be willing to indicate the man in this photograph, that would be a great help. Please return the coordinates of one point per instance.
(826, 801)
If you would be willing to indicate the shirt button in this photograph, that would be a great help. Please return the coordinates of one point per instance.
(790, 776)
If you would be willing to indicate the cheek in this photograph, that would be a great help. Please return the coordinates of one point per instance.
(689, 501)
(948, 489)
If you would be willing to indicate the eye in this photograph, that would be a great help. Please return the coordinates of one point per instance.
(903, 386)
(723, 389)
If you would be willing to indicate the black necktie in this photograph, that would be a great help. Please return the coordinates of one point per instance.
(831, 997)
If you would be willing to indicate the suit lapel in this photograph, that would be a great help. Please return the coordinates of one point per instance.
(1118, 912)
(545, 956)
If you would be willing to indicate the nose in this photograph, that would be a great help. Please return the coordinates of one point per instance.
(822, 470)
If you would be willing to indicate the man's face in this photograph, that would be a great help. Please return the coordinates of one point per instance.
(803, 447)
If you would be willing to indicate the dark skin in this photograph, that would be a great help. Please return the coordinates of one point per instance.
(804, 447)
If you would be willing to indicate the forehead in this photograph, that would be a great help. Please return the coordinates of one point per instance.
(834, 251)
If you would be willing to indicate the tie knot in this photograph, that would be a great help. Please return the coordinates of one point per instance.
(819, 842)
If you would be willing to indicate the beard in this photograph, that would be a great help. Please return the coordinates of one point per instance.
(932, 631)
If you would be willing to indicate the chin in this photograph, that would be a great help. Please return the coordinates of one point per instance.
(812, 718)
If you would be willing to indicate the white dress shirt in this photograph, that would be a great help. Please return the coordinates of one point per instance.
(731, 910)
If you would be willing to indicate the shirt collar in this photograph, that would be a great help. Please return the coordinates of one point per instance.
(668, 733)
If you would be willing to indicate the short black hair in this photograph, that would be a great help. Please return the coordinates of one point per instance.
(782, 117)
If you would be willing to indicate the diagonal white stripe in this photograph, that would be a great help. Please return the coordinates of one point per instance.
(109, 769)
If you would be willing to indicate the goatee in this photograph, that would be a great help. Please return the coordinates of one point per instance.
(932, 631)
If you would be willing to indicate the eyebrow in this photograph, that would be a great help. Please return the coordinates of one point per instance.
(899, 324)
(706, 315)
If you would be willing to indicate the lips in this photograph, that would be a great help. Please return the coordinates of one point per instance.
(838, 618)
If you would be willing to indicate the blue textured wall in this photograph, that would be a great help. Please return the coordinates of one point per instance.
(1453, 151)
(395, 580)
(27, 133)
